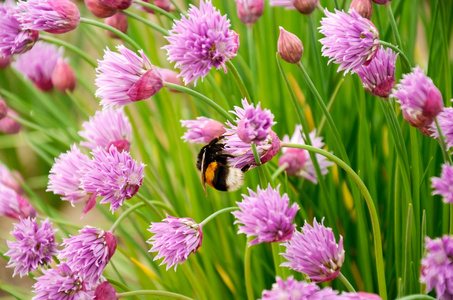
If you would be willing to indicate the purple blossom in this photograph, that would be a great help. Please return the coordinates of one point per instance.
(200, 41)
(290, 289)
(125, 77)
(288, 4)
(38, 64)
(89, 252)
(437, 266)
(242, 151)
(326, 294)
(13, 205)
(13, 40)
(34, 247)
(113, 175)
(249, 11)
(255, 125)
(61, 283)
(174, 239)
(421, 101)
(266, 215)
(378, 78)
(299, 161)
(351, 40)
(65, 178)
(315, 252)
(202, 130)
(53, 16)
(105, 291)
(107, 127)
(445, 119)
(8, 178)
(359, 296)
(442, 185)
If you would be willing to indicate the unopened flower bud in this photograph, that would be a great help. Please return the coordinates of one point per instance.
(381, 2)
(5, 61)
(8, 125)
(305, 7)
(163, 4)
(289, 47)
(3, 109)
(69, 15)
(63, 77)
(249, 11)
(105, 291)
(99, 9)
(171, 77)
(363, 7)
(148, 85)
(118, 4)
(117, 21)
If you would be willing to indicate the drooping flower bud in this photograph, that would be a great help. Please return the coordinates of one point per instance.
(105, 291)
(3, 109)
(363, 7)
(381, 2)
(149, 84)
(99, 9)
(8, 125)
(118, 4)
(305, 7)
(249, 11)
(5, 61)
(289, 47)
(117, 21)
(63, 77)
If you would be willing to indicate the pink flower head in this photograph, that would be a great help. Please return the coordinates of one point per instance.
(202, 130)
(118, 4)
(363, 7)
(381, 2)
(442, 185)
(105, 291)
(4, 61)
(61, 283)
(288, 4)
(174, 239)
(437, 266)
(200, 41)
(65, 178)
(8, 125)
(3, 109)
(445, 119)
(113, 175)
(89, 252)
(99, 9)
(359, 296)
(421, 101)
(107, 127)
(117, 21)
(163, 4)
(299, 161)
(8, 179)
(53, 16)
(13, 205)
(125, 77)
(249, 11)
(34, 247)
(255, 125)
(13, 39)
(266, 215)
(378, 77)
(241, 151)
(305, 7)
(290, 289)
(38, 64)
(289, 47)
(315, 252)
(63, 77)
(351, 40)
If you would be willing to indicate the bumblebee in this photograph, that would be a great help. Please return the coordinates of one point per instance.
(213, 163)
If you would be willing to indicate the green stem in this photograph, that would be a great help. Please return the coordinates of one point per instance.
(451, 219)
(277, 260)
(224, 210)
(123, 36)
(201, 97)
(252, 60)
(388, 7)
(371, 208)
(124, 215)
(279, 170)
(346, 282)
(442, 144)
(401, 52)
(329, 106)
(38, 128)
(155, 8)
(154, 203)
(61, 222)
(259, 165)
(248, 269)
(239, 81)
(146, 22)
(153, 293)
(73, 48)
(417, 297)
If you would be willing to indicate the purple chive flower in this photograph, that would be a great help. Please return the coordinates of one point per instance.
(38, 64)
(378, 78)
(107, 127)
(290, 289)
(326, 294)
(255, 125)
(202, 130)
(437, 266)
(8, 179)
(200, 41)
(13, 40)
(65, 178)
(266, 215)
(53, 16)
(442, 185)
(249, 11)
(351, 40)
(34, 247)
(288, 4)
(125, 77)
(174, 239)
(105, 291)
(445, 119)
(61, 283)
(421, 101)
(89, 252)
(298, 161)
(315, 252)
(242, 151)
(113, 175)
(359, 296)
(13, 205)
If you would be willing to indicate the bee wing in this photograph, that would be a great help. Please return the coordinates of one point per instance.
(203, 170)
